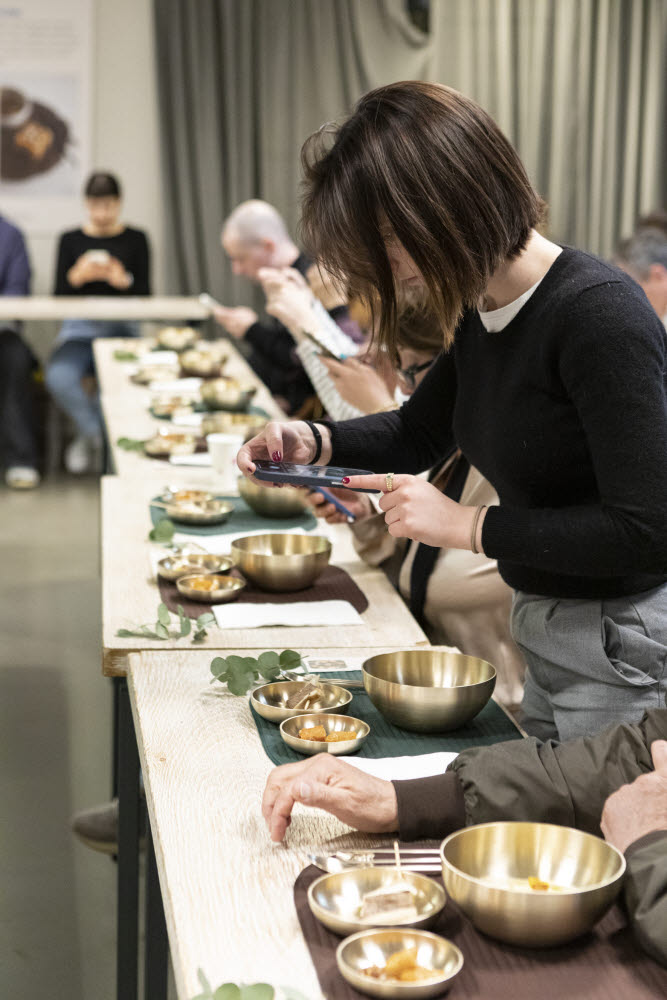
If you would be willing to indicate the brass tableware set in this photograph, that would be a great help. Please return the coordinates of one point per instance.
(227, 394)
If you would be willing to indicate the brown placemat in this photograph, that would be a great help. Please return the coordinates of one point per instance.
(607, 963)
(333, 585)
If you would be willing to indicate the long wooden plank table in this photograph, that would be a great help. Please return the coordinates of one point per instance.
(121, 307)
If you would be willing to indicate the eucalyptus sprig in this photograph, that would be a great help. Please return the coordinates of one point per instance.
(121, 355)
(241, 673)
(163, 532)
(130, 444)
(165, 628)
(256, 991)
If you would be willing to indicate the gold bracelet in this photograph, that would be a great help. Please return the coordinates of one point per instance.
(473, 533)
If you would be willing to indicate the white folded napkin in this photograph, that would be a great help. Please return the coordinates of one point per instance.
(301, 613)
(179, 386)
(158, 358)
(398, 768)
(187, 420)
(201, 459)
(221, 542)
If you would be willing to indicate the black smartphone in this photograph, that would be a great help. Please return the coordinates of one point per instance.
(312, 476)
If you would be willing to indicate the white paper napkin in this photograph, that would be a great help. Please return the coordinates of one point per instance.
(187, 420)
(301, 613)
(200, 459)
(399, 768)
(179, 386)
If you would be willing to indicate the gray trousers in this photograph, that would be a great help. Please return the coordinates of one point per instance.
(591, 663)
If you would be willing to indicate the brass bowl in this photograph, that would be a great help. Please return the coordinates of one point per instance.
(176, 566)
(168, 406)
(428, 690)
(269, 700)
(202, 364)
(374, 947)
(228, 589)
(176, 338)
(202, 512)
(281, 562)
(170, 443)
(155, 373)
(227, 394)
(270, 502)
(336, 899)
(289, 730)
(180, 495)
(247, 424)
(486, 870)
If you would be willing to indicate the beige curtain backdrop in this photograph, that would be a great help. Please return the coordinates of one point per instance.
(578, 85)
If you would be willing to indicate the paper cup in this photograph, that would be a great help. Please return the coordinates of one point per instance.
(223, 449)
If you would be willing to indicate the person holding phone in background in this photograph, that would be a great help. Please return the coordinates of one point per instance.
(552, 385)
(103, 257)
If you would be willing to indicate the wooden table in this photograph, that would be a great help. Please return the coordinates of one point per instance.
(127, 307)
(125, 406)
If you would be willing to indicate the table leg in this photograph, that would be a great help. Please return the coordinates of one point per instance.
(115, 684)
(157, 945)
(127, 946)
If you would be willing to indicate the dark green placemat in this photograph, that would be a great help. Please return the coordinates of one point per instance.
(254, 411)
(243, 519)
(386, 740)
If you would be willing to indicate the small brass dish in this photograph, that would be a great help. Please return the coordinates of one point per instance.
(487, 871)
(269, 502)
(428, 690)
(184, 495)
(202, 364)
(154, 373)
(289, 730)
(374, 947)
(169, 406)
(247, 424)
(227, 588)
(200, 512)
(336, 900)
(170, 443)
(176, 338)
(227, 394)
(282, 562)
(177, 566)
(269, 700)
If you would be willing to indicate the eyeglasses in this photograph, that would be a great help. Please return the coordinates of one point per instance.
(409, 374)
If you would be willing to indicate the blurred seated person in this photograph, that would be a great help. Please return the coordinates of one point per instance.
(255, 236)
(614, 783)
(457, 596)
(103, 257)
(17, 363)
(644, 257)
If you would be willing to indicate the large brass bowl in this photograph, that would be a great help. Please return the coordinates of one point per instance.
(290, 728)
(336, 899)
(428, 690)
(267, 501)
(368, 948)
(247, 424)
(227, 394)
(281, 562)
(486, 871)
(269, 700)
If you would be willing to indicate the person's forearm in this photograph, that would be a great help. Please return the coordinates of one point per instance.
(430, 807)
(645, 890)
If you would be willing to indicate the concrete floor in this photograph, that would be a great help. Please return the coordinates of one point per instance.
(58, 898)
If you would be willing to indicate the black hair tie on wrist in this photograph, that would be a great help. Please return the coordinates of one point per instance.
(318, 440)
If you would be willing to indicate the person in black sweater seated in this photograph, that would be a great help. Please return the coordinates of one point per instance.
(255, 236)
(104, 257)
(552, 385)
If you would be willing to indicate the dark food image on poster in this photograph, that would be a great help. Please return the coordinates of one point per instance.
(33, 138)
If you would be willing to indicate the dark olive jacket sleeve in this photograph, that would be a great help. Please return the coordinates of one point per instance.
(646, 892)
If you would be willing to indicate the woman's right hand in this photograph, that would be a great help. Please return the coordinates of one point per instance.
(358, 504)
(289, 441)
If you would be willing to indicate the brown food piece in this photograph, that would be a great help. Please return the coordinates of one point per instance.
(37, 139)
(303, 694)
(341, 737)
(374, 971)
(418, 973)
(204, 584)
(538, 884)
(316, 733)
(400, 961)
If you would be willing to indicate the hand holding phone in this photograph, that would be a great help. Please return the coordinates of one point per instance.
(312, 476)
(330, 498)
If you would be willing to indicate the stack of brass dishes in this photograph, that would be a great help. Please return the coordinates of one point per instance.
(170, 443)
(247, 424)
(290, 728)
(176, 338)
(269, 700)
(200, 363)
(531, 884)
(428, 690)
(336, 899)
(227, 394)
(208, 511)
(175, 566)
(210, 588)
(368, 949)
(281, 562)
(267, 501)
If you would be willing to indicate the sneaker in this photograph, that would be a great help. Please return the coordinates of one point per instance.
(22, 477)
(98, 827)
(82, 455)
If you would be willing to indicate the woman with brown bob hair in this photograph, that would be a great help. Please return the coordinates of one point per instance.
(552, 385)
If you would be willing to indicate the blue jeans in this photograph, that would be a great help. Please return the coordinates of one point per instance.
(591, 663)
(71, 361)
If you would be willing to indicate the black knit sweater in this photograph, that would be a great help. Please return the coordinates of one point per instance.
(564, 411)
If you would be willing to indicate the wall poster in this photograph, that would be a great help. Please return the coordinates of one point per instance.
(45, 102)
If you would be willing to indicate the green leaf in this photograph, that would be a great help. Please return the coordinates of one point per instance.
(218, 666)
(235, 662)
(239, 682)
(289, 659)
(199, 635)
(163, 531)
(250, 665)
(130, 444)
(161, 631)
(289, 993)
(258, 991)
(228, 991)
(124, 633)
(163, 615)
(186, 625)
(269, 673)
(208, 618)
(125, 356)
(268, 659)
(204, 981)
